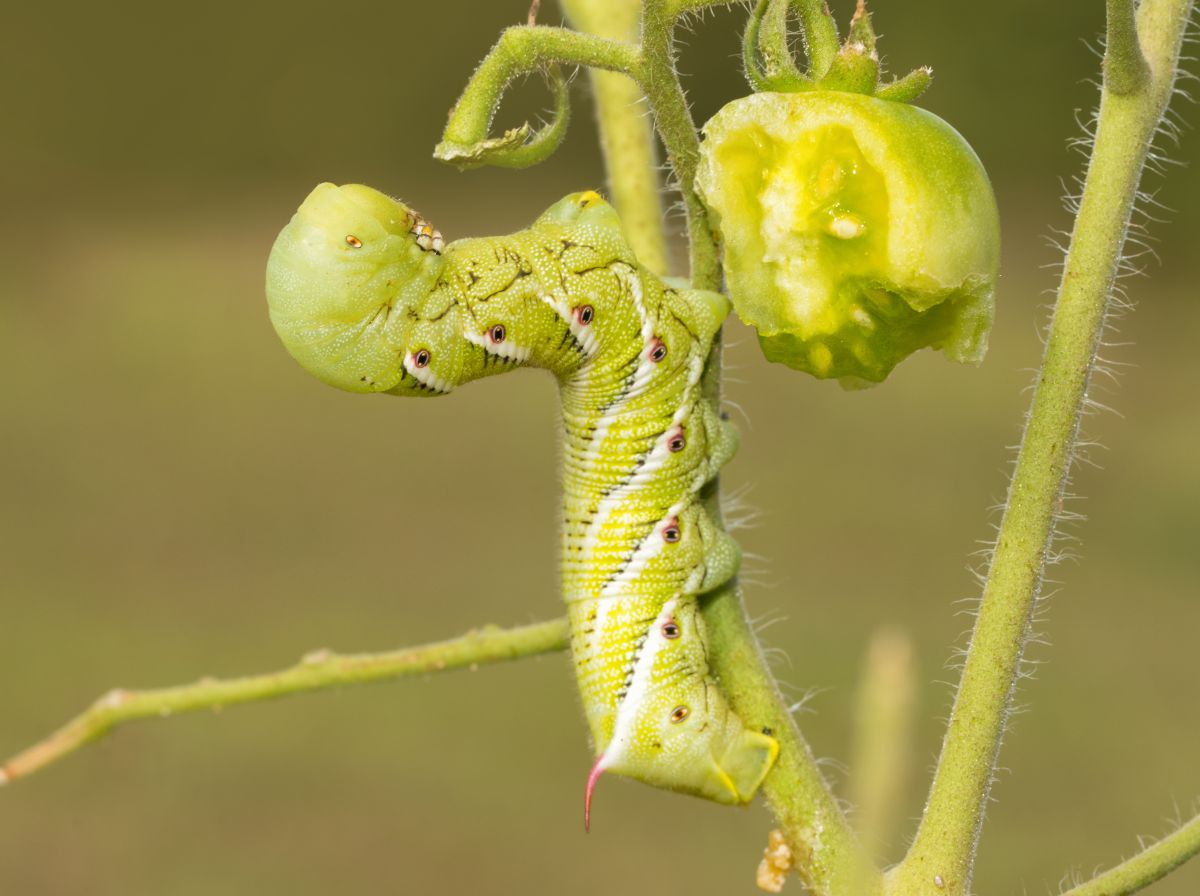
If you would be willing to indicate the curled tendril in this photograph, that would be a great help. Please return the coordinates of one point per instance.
(524, 50)
(519, 147)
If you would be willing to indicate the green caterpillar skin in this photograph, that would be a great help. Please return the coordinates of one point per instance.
(365, 297)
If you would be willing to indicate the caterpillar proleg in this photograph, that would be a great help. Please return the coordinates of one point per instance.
(366, 297)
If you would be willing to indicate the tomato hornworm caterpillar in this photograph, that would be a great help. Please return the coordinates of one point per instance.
(365, 295)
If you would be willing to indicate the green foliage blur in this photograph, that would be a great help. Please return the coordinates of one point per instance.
(178, 499)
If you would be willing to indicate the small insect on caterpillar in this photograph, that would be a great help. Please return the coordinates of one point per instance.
(366, 297)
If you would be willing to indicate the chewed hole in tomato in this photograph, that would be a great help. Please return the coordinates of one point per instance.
(855, 230)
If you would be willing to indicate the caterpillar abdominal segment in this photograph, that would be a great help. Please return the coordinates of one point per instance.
(399, 311)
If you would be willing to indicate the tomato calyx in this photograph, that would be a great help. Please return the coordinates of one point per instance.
(853, 67)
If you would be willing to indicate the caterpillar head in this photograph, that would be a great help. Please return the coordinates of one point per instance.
(343, 282)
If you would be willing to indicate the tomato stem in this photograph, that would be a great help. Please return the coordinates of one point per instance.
(1125, 67)
(318, 670)
(944, 847)
(626, 134)
(816, 829)
(1151, 864)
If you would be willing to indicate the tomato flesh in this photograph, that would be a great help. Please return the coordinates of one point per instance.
(855, 230)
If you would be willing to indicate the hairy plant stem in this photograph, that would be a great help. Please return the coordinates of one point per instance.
(674, 122)
(677, 8)
(626, 136)
(1149, 865)
(829, 858)
(1125, 68)
(317, 671)
(825, 850)
(826, 853)
(942, 855)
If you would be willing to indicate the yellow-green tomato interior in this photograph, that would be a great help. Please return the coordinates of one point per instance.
(855, 230)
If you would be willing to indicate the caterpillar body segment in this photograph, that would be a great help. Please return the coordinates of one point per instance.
(365, 295)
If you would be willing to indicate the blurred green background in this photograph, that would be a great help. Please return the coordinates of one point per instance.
(180, 499)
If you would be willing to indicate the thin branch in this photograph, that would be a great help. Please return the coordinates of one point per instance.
(677, 8)
(1147, 866)
(1125, 68)
(626, 134)
(673, 119)
(825, 851)
(317, 671)
(944, 849)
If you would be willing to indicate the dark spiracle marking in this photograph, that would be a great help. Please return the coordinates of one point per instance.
(421, 358)
(671, 629)
(584, 314)
(672, 533)
(353, 242)
(497, 334)
(679, 713)
(658, 350)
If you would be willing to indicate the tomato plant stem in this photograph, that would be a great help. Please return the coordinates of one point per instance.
(673, 119)
(941, 858)
(1152, 863)
(626, 134)
(827, 854)
(1125, 68)
(317, 671)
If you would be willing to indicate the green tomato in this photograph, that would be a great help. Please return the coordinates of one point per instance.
(855, 230)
